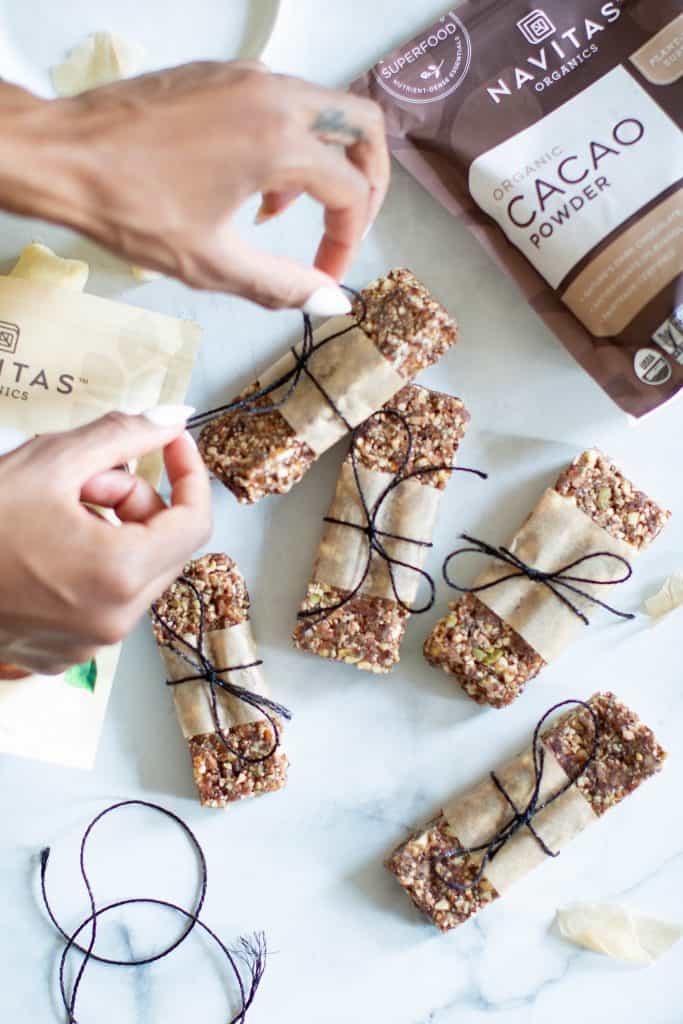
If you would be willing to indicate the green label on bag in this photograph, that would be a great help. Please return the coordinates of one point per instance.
(83, 676)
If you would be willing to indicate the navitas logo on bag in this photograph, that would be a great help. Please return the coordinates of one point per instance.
(568, 48)
(9, 337)
(536, 26)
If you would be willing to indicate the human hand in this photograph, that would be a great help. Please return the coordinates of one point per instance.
(161, 163)
(72, 581)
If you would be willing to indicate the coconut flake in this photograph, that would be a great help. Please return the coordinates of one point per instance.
(100, 59)
(669, 597)
(617, 931)
(144, 275)
(39, 263)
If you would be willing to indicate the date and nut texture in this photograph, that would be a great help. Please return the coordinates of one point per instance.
(627, 755)
(491, 661)
(257, 455)
(367, 631)
(221, 776)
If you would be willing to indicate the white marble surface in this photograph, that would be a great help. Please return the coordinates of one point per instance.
(370, 757)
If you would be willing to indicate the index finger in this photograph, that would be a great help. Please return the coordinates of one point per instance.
(358, 125)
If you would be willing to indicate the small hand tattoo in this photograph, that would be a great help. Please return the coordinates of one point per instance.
(333, 122)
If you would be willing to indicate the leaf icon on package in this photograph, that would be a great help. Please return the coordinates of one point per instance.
(434, 71)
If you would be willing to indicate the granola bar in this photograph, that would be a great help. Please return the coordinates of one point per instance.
(221, 776)
(367, 630)
(257, 455)
(490, 660)
(627, 754)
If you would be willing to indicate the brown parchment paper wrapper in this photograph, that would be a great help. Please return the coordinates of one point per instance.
(409, 511)
(67, 358)
(224, 647)
(478, 815)
(351, 370)
(555, 534)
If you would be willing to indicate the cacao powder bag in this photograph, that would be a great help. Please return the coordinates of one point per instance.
(555, 132)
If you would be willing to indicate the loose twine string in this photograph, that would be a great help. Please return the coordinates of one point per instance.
(552, 580)
(203, 668)
(252, 952)
(375, 536)
(524, 817)
(291, 377)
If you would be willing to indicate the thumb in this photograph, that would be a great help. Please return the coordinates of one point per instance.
(277, 282)
(116, 438)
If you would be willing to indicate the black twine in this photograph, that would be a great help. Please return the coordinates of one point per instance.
(252, 951)
(309, 347)
(205, 669)
(552, 580)
(370, 528)
(521, 818)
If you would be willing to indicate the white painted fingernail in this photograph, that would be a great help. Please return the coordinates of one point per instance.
(329, 301)
(169, 415)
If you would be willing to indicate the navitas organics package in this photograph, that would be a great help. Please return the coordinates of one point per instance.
(555, 131)
(67, 358)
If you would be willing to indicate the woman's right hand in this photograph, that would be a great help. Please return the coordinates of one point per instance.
(72, 582)
(154, 168)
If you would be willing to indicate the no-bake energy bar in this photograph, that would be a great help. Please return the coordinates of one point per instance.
(221, 775)
(490, 659)
(367, 630)
(402, 330)
(627, 754)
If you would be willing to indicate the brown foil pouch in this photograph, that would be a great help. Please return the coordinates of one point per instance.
(67, 358)
(555, 132)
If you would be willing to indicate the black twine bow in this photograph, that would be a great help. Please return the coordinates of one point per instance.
(375, 536)
(552, 580)
(524, 817)
(252, 951)
(204, 669)
(291, 378)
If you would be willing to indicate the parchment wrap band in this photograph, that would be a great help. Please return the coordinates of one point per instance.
(232, 646)
(555, 534)
(410, 510)
(351, 370)
(480, 813)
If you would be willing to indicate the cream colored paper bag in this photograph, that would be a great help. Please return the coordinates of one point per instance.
(67, 358)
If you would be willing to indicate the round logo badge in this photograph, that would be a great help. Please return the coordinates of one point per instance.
(651, 367)
(431, 67)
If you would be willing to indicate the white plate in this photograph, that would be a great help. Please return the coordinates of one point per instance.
(36, 34)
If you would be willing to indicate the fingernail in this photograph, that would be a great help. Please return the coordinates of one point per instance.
(368, 230)
(262, 215)
(169, 415)
(190, 438)
(327, 301)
